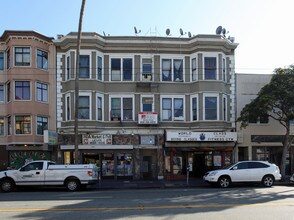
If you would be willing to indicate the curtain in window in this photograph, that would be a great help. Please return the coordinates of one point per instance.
(166, 70)
(178, 70)
(178, 109)
(167, 109)
(115, 69)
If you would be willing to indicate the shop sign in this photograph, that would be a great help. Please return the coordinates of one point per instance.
(97, 139)
(149, 118)
(200, 136)
(50, 137)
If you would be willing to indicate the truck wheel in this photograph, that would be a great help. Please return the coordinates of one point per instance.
(7, 185)
(73, 184)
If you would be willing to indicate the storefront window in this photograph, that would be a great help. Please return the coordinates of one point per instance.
(107, 164)
(124, 165)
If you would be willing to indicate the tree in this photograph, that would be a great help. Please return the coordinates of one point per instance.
(76, 128)
(275, 100)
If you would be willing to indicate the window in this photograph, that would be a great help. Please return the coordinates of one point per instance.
(194, 109)
(1, 126)
(99, 107)
(225, 113)
(68, 107)
(42, 92)
(23, 124)
(67, 68)
(257, 165)
(99, 68)
(84, 70)
(84, 107)
(224, 71)
(1, 61)
(8, 59)
(22, 90)
(32, 166)
(42, 124)
(126, 73)
(121, 108)
(172, 109)
(9, 129)
(242, 166)
(263, 119)
(1, 93)
(210, 68)
(8, 92)
(176, 73)
(42, 59)
(194, 70)
(211, 108)
(22, 56)
(147, 104)
(147, 69)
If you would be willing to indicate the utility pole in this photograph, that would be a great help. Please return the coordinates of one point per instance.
(76, 124)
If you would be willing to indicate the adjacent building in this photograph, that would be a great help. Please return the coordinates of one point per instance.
(149, 107)
(261, 139)
(27, 96)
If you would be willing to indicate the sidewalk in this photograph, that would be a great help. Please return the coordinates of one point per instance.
(160, 184)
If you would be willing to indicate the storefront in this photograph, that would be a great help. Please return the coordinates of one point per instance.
(197, 152)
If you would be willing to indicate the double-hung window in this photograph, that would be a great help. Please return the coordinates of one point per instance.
(84, 67)
(8, 92)
(194, 70)
(1, 61)
(211, 107)
(42, 59)
(1, 93)
(172, 109)
(1, 126)
(224, 71)
(42, 124)
(22, 90)
(147, 69)
(22, 56)
(9, 127)
(99, 68)
(194, 108)
(210, 68)
(8, 59)
(67, 67)
(121, 108)
(67, 107)
(121, 69)
(147, 104)
(99, 107)
(23, 124)
(172, 70)
(42, 92)
(84, 107)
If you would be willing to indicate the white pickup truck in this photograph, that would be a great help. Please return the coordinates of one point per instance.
(46, 173)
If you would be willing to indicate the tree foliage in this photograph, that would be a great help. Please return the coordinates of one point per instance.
(275, 100)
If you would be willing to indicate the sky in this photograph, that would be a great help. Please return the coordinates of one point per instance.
(262, 28)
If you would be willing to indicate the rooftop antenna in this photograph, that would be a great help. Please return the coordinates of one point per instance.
(136, 31)
(219, 30)
(182, 32)
(167, 32)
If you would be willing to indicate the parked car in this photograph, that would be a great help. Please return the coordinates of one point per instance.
(245, 171)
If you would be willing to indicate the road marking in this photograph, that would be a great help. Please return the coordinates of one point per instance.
(143, 207)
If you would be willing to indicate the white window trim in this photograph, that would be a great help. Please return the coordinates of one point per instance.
(191, 66)
(121, 104)
(173, 97)
(217, 65)
(121, 57)
(90, 104)
(43, 116)
(19, 46)
(99, 54)
(36, 95)
(224, 67)
(141, 102)
(36, 59)
(172, 58)
(225, 101)
(67, 75)
(191, 104)
(217, 105)
(24, 80)
(70, 110)
(15, 125)
(102, 100)
(141, 68)
(88, 53)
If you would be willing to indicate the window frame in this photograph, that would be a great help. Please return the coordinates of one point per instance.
(42, 59)
(101, 96)
(88, 67)
(42, 92)
(22, 63)
(212, 95)
(67, 107)
(121, 71)
(210, 55)
(102, 69)
(2, 126)
(9, 125)
(224, 69)
(225, 108)
(3, 92)
(121, 97)
(172, 98)
(23, 125)
(37, 124)
(23, 87)
(172, 60)
(192, 107)
(142, 104)
(2, 60)
(88, 94)
(145, 74)
(194, 71)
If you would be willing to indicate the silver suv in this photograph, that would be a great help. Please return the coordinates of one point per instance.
(245, 171)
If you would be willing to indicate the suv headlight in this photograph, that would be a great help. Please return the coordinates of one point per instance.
(213, 173)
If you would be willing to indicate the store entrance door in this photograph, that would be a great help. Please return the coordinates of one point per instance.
(146, 167)
(199, 165)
